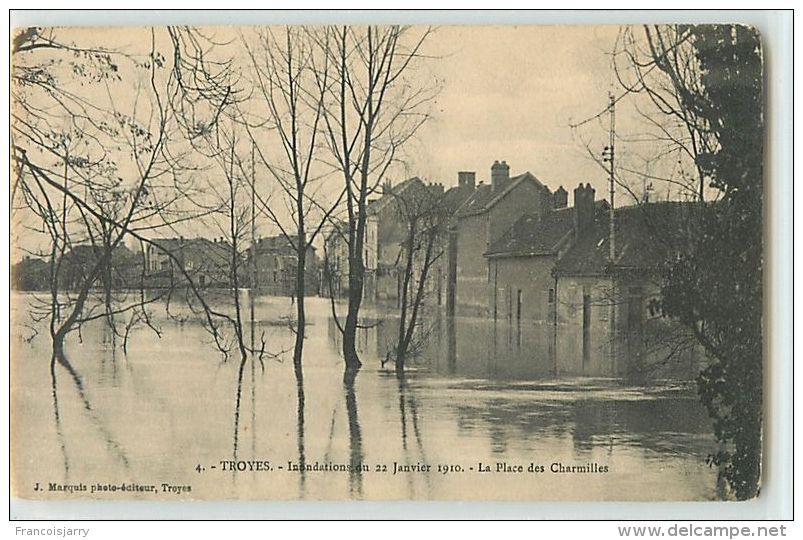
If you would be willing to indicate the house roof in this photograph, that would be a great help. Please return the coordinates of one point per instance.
(279, 244)
(454, 197)
(646, 237)
(218, 251)
(379, 204)
(484, 197)
(536, 234)
(88, 254)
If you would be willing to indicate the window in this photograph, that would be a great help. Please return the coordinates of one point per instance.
(551, 299)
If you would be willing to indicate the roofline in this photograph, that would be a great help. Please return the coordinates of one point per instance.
(610, 271)
(554, 250)
(558, 274)
(520, 254)
(519, 179)
(402, 186)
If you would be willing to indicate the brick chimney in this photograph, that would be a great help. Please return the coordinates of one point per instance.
(583, 210)
(500, 175)
(560, 199)
(467, 180)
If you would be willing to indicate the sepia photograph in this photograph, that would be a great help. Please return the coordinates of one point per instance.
(387, 262)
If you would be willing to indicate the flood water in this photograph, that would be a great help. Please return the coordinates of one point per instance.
(165, 415)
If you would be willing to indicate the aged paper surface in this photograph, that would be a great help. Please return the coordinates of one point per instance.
(454, 263)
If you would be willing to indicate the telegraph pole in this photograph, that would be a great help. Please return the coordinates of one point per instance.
(609, 155)
(253, 248)
(252, 296)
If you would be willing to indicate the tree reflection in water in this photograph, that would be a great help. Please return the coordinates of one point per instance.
(59, 429)
(59, 358)
(407, 401)
(302, 459)
(355, 435)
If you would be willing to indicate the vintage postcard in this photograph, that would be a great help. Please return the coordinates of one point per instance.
(387, 263)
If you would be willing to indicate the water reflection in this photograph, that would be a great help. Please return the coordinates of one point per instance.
(355, 436)
(59, 359)
(302, 458)
(407, 402)
(57, 417)
(463, 400)
(237, 399)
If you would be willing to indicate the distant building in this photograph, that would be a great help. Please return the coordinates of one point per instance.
(30, 274)
(76, 266)
(386, 231)
(207, 262)
(389, 221)
(479, 223)
(335, 264)
(276, 263)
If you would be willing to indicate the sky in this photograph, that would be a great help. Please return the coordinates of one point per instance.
(510, 93)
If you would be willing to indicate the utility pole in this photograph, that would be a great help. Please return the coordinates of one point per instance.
(609, 155)
(253, 248)
(252, 295)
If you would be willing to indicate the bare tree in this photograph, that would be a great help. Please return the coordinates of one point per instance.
(660, 62)
(657, 72)
(372, 109)
(100, 159)
(291, 100)
(424, 217)
(87, 170)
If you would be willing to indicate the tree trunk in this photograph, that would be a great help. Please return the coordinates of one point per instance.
(401, 344)
(300, 307)
(356, 277)
(350, 330)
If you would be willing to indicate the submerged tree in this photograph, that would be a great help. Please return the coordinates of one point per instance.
(87, 170)
(100, 160)
(372, 108)
(287, 114)
(423, 215)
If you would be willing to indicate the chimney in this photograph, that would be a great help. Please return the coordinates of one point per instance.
(583, 210)
(560, 199)
(500, 175)
(467, 179)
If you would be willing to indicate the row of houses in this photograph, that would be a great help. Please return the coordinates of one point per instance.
(517, 255)
(34, 273)
(209, 263)
(168, 262)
